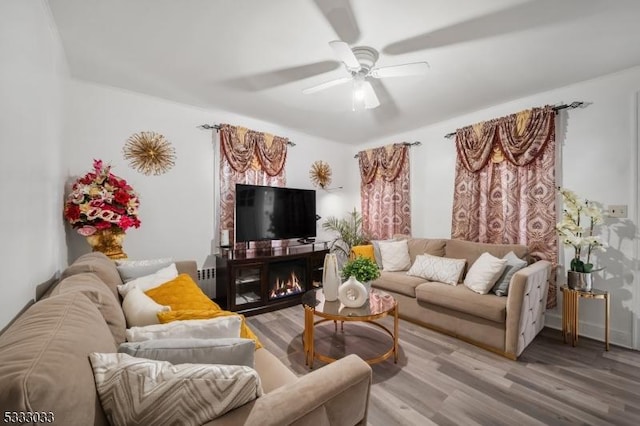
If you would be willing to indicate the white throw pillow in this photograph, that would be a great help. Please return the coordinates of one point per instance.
(132, 269)
(395, 255)
(484, 273)
(436, 268)
(140, 310)
(150, 281)
(143, 391)
(213, 328)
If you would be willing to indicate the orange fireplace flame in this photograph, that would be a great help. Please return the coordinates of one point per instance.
(285, 287)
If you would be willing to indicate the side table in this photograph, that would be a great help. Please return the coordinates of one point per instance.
(570, 303)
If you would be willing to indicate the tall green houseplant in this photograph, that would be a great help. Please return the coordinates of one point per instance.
(349, 233)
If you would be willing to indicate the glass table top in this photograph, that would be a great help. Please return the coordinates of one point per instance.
(379, 302)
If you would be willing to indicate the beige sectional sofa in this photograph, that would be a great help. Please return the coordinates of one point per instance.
(505, 325)
(44, 363)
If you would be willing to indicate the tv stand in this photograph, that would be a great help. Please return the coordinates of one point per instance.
(265, 282)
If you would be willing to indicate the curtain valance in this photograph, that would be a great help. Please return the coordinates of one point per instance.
(386, 162)
(522, 138)
(243, 147)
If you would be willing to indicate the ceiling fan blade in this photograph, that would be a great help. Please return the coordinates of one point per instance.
(515, 18)
(340, 16)
(370, 98)
(345, 54)
(416, 68)
(326, 85)
(275, 78)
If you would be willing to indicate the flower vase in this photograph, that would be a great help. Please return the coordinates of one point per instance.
(352, 293)
(582, 281)
(330, 277)
(109, 242)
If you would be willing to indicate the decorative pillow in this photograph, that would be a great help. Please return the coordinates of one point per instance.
(190, 314)
(181, 292)
(363, 251)
(214, 328)
(376, 250)
(435, 268)
(140, 309)
(150, 281)
(229, 351)
(514, 264)
(395, 255)
(484, 273)
(132, 269)
(142, 391)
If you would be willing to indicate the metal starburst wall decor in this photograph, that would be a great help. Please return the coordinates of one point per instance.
(320, 174)
(149, 153)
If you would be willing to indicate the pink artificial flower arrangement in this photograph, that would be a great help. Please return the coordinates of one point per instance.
(101, 200)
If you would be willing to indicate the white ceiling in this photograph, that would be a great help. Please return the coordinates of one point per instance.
(254, 57)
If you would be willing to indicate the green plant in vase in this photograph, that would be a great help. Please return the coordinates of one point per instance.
(362, 268)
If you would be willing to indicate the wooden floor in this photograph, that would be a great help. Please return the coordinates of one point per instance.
(441, 380)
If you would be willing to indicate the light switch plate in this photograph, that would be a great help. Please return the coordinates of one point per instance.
(619, 211)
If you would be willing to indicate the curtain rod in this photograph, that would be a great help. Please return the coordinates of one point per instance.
(216, 127)
(409, 144)
(572, 105)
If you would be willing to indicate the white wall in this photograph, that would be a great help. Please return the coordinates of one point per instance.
(598, 146)
(177, 208)
(32, 75)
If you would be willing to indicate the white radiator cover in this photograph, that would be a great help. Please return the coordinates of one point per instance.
(207, 281)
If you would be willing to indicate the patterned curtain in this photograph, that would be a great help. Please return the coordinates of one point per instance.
(505, 184)
(247, 157)
(385, 191)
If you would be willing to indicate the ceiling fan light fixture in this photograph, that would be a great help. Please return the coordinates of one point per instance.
(358, 94)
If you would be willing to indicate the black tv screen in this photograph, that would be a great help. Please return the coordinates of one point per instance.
(272, 213)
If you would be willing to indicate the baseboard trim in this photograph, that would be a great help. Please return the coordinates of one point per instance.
(591, 330)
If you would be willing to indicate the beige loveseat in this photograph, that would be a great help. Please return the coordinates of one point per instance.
(505, 325)
(44, 363)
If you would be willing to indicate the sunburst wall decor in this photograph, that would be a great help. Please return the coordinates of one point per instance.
(149, 153)
(320, 174)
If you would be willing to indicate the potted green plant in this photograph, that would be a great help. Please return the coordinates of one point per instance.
(349, 233)
(362, 269)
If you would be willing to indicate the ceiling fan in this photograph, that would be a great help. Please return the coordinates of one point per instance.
(360, 62)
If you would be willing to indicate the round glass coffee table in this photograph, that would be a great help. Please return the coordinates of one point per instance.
(379, 305)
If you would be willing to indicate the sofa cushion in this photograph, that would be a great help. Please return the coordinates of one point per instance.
(151, 281)
(132, 269)
(514, 264)
(140, 310)
(107, 303)
(229, 351)
(100, 265)
(365, 251)
(435, 268)
(484, 273)
(460, 298)
(44, 362)
(214, 328)
(142, 391)
(398, 282)
(471, 251)
(395, 255)
(432, 246)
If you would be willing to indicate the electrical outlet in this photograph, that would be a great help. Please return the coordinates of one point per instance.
(619, 211)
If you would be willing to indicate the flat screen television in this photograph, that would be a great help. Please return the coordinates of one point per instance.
(273, 213)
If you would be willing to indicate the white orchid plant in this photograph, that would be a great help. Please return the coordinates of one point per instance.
(576, 229)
